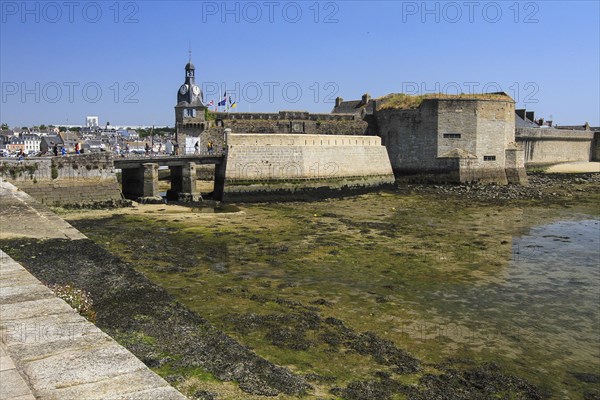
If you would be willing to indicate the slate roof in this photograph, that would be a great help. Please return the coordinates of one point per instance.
(93, 143)
(50, 140)
(524, 123)
(5, 138)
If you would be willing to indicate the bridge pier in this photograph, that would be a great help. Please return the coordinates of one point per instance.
(141, 184)
(183, 183)
(140, 177)
(219, 186)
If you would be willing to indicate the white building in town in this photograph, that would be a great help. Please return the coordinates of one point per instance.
(91, 121)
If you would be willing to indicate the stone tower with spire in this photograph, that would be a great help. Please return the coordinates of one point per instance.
(190, 109)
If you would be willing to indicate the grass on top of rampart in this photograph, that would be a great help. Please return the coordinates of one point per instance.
(407, 101)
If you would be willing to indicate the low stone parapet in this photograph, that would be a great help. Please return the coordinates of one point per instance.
(73, 181)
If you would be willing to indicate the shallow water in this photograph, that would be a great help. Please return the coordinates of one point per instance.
(545, 307)
(205, 207)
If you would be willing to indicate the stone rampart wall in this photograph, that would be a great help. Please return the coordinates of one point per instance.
(410, 137)
(321, 127)
(286, 115)
(596, 147)
(453, 140)
(543, 146)
(304, 158)
(76, 180)
(242, 139)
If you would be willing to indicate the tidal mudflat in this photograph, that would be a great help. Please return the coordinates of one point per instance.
(419, 293)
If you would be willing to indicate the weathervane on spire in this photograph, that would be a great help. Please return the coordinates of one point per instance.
(190, 50)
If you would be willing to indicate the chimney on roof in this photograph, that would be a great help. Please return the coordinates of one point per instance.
(586, 126)
(530, 115)
(540, 122)
(549, 123)
(338, 101)
(366, 98)
(521, 113)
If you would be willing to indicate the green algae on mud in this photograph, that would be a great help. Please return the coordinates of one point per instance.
(275, 276)
(147, 320)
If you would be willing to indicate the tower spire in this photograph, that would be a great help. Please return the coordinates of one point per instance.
(190, 50)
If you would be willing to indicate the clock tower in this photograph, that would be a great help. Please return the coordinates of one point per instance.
(190, 119)
(189, 93)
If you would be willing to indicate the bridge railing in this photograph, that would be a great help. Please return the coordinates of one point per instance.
(135, 156)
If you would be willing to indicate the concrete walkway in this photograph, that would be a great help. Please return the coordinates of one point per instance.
(47, 350)
(12, 384)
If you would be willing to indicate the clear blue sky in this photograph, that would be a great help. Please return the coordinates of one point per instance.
(55, 57)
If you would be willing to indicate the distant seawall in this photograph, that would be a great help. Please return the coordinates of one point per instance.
(73, 181)
(544, 146)
(300, 163)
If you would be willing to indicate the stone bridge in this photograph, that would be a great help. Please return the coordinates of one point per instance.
(140, 176)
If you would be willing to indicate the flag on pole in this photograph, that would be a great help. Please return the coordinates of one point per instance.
(224, 101)
(210, 103)
(232, 104)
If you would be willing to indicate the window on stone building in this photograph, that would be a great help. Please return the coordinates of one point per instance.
(489, 158)
(452, 135)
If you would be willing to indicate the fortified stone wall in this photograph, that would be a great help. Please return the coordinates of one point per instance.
(497, 153)
(495, 128)
(285, 115)
(596, 147)
(293, 122)
(544, 146)
(455, 140)
(456, 117)
(325, 127)
(76, 180)
(260, 162)
(284, 122)
(410, 138)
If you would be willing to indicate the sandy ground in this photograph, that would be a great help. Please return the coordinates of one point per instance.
(575, 167)
(201, 186)
(162, 212)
